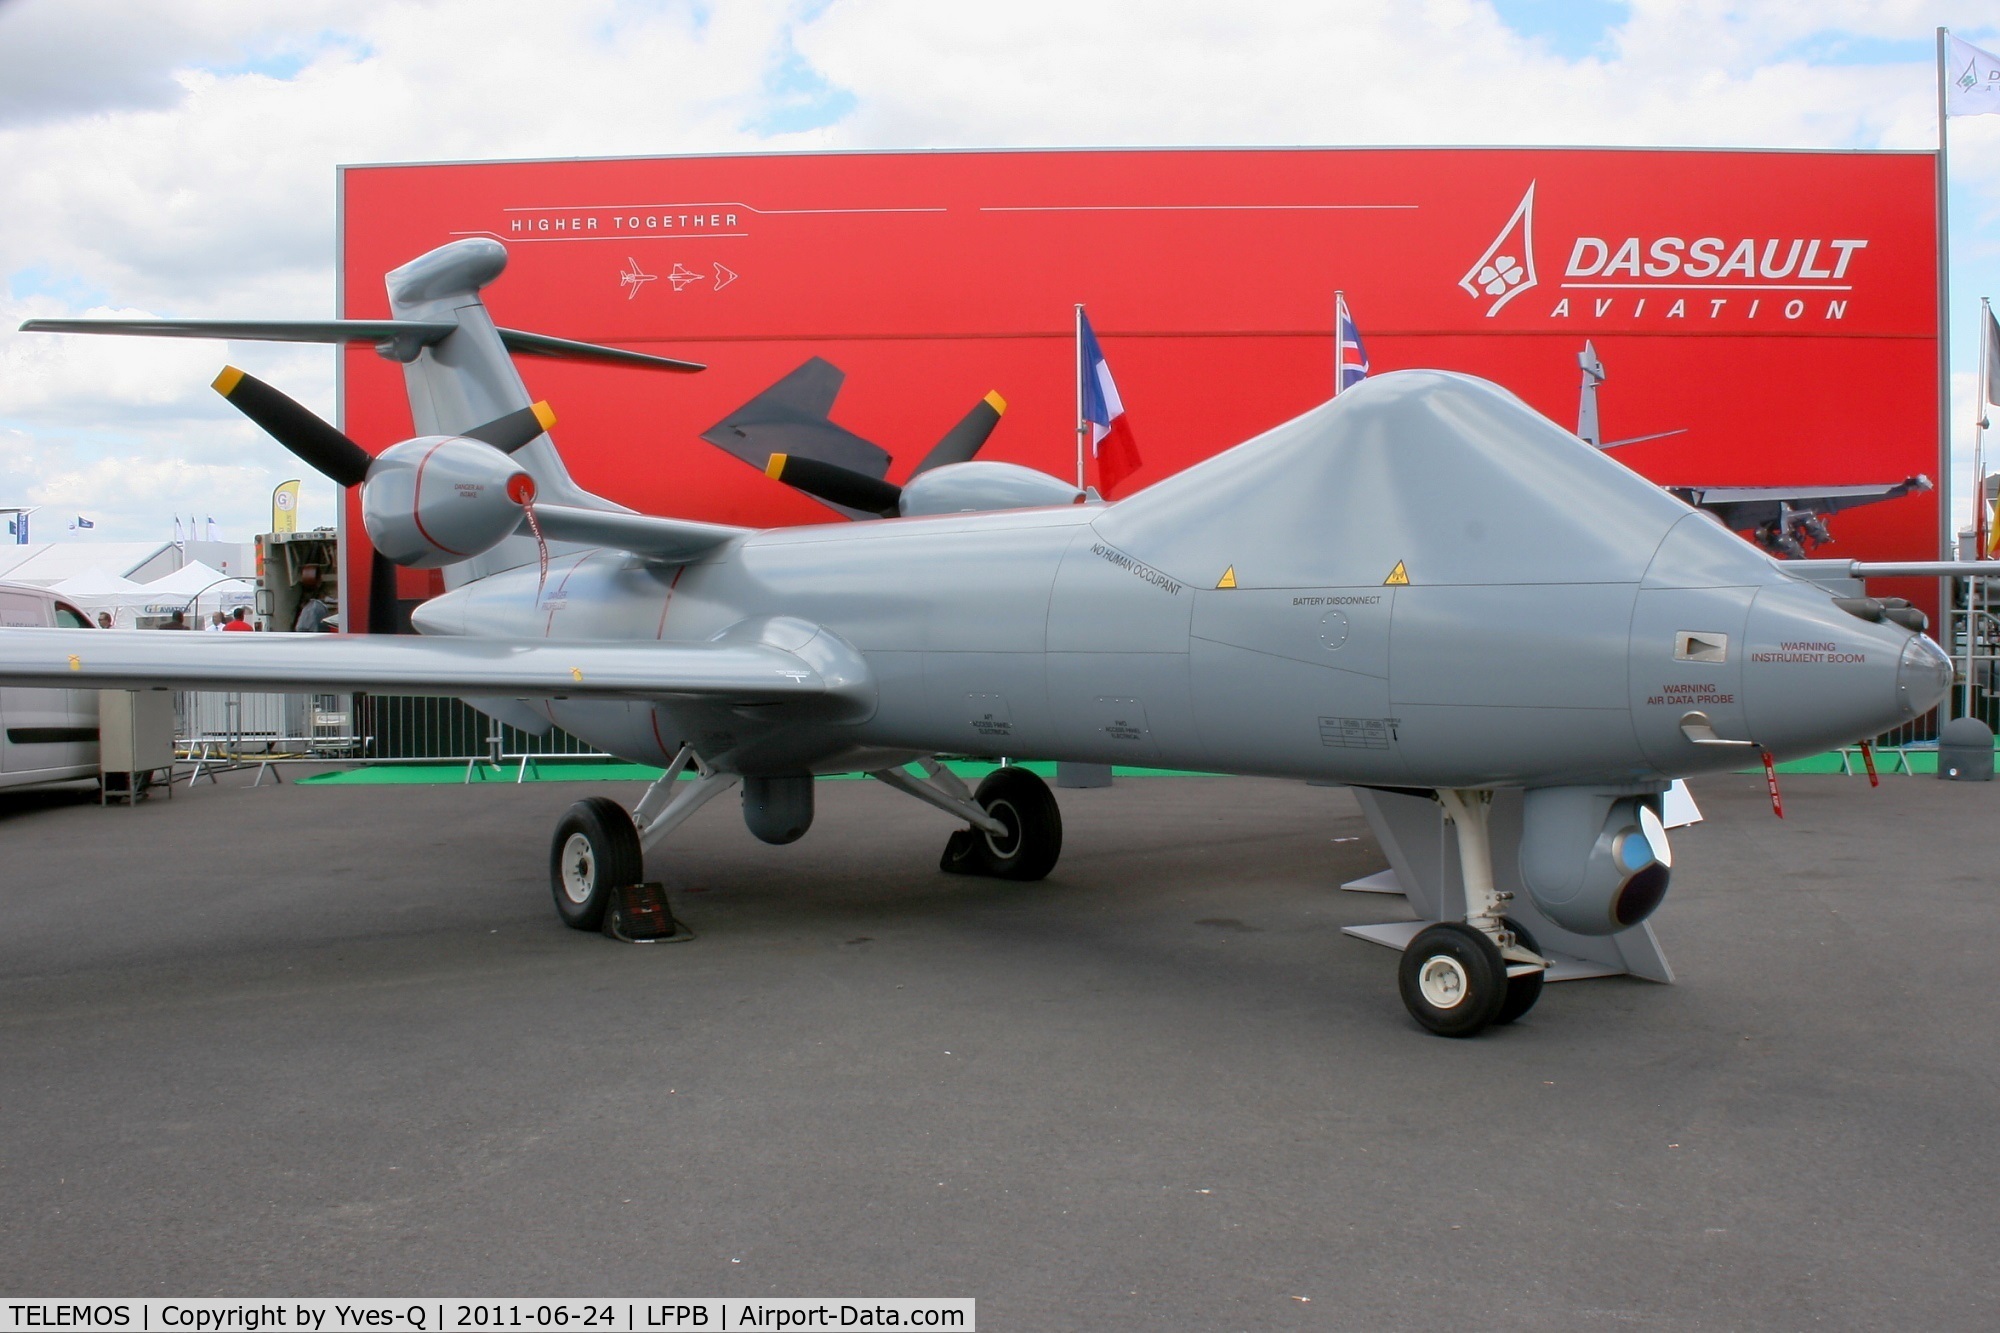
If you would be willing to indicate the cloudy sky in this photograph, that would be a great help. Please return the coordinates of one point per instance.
(176, 157)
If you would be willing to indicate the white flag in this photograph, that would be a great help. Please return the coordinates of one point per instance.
(1971, 80)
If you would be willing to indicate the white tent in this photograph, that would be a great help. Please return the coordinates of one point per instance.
(98, 590)
(198, 590)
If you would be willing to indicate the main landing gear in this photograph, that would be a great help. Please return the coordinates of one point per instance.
(1459, 978)
(599, 849)
(1015, 829)
(1016, 826)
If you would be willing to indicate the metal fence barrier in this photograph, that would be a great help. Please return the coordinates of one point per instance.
(215, 731)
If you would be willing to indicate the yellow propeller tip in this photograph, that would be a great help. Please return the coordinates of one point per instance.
(545, 414)
(226, 382)
(996, 402)
(775, 469)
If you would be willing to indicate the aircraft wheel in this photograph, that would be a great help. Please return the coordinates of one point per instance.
(1522, 991)
(596, 849)
(1452, 979)
(1032, 842)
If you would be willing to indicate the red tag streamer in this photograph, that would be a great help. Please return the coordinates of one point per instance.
(541, 548)
(1868, 758)
(1771, 781)
(521, 490)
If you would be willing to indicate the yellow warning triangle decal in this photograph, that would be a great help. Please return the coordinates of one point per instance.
(1228, 579)
(1398, 577)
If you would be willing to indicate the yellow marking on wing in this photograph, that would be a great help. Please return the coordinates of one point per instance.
(75, 662)
(1228, 579)
(1398, 577)
(576, 674)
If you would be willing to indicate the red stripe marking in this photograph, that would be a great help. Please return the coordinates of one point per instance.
(661, 632)
(417, 497)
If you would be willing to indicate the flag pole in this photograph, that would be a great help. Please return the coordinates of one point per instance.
(1946, 545)
(1081, 370)
(1339, 339)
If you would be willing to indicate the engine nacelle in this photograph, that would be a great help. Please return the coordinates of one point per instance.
(958, 488)
(1595, 862)
(439, 499)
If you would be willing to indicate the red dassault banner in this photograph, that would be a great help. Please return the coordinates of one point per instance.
(1776, 309)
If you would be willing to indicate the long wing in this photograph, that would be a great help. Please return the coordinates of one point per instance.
(726, 671)
(1748, 506)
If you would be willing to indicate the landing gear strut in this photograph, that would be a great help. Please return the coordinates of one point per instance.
(1016, 826)
(1460, 978)
(599, 849)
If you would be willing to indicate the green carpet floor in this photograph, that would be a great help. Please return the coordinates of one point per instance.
(611, 770)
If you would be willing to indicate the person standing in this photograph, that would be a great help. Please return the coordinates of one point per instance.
(238, 623)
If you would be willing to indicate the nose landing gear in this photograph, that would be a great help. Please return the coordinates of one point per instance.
(1459, 978)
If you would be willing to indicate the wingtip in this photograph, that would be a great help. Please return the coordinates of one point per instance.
(225, 383)
(775, 468)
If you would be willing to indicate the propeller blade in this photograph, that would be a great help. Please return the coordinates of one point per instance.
(334, 456)
(382, 616)
(516, 429)
(962, 441)
(835, 484)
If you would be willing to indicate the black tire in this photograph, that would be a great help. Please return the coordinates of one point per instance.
(595, 851)
(1030, 847)
(1452, 979)
(1522, 991)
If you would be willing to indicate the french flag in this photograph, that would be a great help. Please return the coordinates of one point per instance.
(1110, 434)
(1351, 363)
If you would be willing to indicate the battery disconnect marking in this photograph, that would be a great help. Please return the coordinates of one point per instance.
(1398, 577)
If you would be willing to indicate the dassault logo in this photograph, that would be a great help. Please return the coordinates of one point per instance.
(1508, 267)
(1735, 277)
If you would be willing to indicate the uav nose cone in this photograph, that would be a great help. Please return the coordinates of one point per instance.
(1816, 676)
(1923, 678)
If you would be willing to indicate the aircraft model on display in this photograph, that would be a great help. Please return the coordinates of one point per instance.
(787, 433)
(1787, 521)
(1422, 586)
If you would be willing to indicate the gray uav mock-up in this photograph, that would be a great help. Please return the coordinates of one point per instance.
(1421, 585)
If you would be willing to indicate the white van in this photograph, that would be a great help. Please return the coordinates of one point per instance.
(45, 735)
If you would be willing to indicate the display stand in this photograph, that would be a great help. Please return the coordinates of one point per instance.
(1423, 861)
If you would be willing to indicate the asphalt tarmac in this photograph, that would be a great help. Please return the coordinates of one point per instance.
(334, 1041)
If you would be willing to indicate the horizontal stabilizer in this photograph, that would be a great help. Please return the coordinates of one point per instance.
(398, 339)
(562, 349)
(736, 672)
(670, 539)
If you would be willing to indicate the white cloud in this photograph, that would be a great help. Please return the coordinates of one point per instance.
(181, 158)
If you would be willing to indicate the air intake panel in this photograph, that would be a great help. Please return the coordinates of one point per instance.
(439, 499)
(1594, 861)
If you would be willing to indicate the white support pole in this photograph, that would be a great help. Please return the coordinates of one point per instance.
(1081, 370)
(1946, 534)
(1339, 340)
